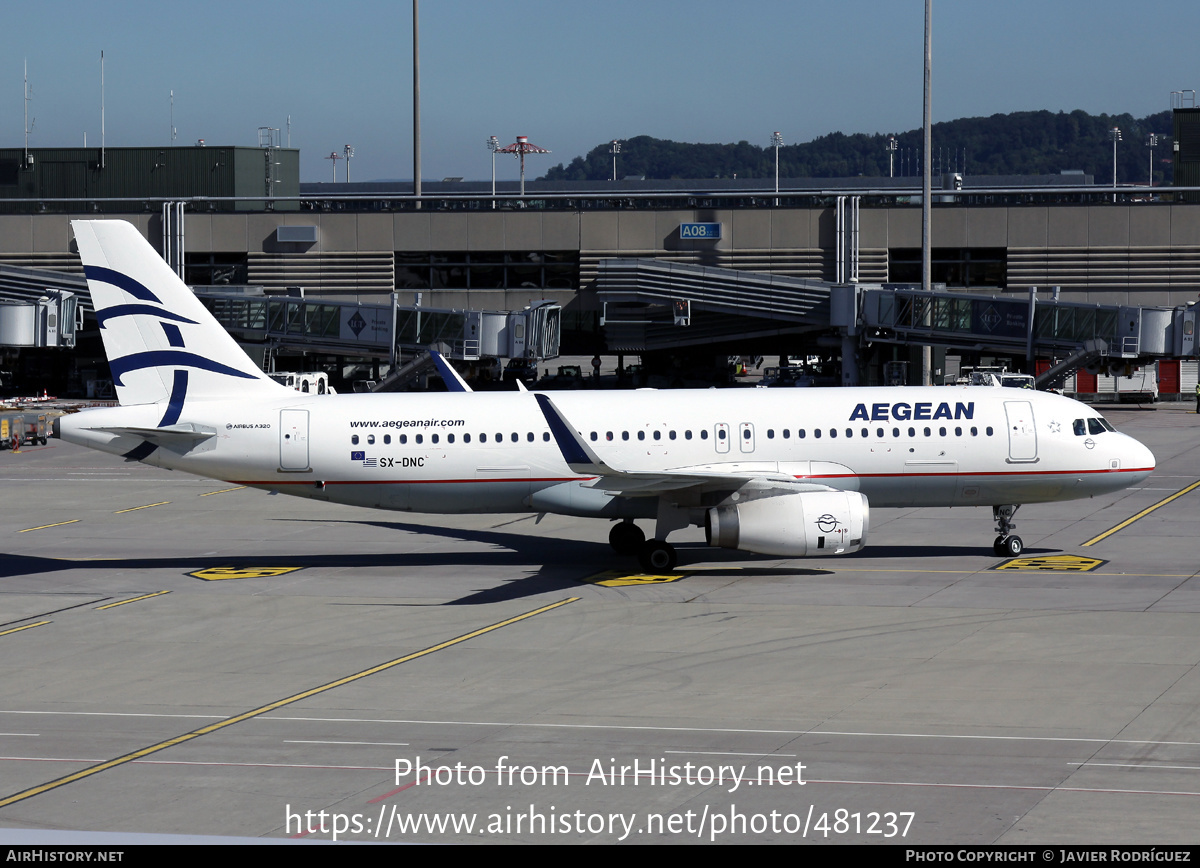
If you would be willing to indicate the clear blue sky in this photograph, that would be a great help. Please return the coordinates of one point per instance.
(568, 74)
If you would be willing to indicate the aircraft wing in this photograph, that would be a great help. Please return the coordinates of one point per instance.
(582, 459)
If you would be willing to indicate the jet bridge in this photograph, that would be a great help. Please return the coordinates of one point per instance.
(1086, 334)
(384, 331)
(645, 301)
(650, 304)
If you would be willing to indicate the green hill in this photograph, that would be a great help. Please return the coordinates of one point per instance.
(1021, 143)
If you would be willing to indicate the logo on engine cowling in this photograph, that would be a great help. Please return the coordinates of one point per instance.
(827, 523)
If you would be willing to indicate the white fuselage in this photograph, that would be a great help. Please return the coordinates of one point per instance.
(487, 452)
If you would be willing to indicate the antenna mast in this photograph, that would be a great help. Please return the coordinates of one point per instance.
(101, 108)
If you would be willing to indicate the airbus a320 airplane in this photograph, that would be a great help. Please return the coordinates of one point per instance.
(787, 472)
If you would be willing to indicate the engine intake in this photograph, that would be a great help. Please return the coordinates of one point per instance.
(807, 524)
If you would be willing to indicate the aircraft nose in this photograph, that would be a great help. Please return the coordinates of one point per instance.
(1139, 457)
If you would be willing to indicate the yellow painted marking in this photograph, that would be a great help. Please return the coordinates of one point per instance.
(44, 526)
(216, 574)
(222, 491)
(26, 627)
(1058, 563)
(616, 579)
(147, 506)
(273, 706)
(1145, 512)
(132, 600)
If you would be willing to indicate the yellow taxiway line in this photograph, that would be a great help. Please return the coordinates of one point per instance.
(1145, 512)
(272, 706)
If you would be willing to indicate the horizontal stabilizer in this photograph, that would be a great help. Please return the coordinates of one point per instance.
(172, 434)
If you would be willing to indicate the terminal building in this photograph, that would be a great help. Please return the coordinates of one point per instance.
(666, 270)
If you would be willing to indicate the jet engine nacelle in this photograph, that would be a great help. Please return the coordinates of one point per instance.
(807, 524)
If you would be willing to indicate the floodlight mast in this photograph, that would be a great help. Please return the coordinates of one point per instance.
(493, 145)
(1115, 135)
(777, 143)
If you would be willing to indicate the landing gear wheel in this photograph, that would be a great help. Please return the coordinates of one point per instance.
(657, 556)
(626, 538)
(1006, 544)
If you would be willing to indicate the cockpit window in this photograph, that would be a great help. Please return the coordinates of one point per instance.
(1094, 425)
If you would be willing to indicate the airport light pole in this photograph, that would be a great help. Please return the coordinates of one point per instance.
(1115, 135)
(493, 145)
(614, 149)
(776, 143)
(416, 109)
(892, 144)
(927, 187)
(1152, 142)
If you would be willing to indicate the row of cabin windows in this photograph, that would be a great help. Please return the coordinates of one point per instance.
(801, 433)
(419, 439)
(721, 434)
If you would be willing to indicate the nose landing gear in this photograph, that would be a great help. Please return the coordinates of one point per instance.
(1007, 544)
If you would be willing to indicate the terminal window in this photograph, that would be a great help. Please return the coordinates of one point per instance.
(979, 267)
(488, 270)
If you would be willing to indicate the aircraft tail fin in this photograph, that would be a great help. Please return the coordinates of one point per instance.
(163, 345)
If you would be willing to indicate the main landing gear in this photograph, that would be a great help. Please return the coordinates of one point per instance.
(626, 538)
(655, 556)
(1007, 544)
